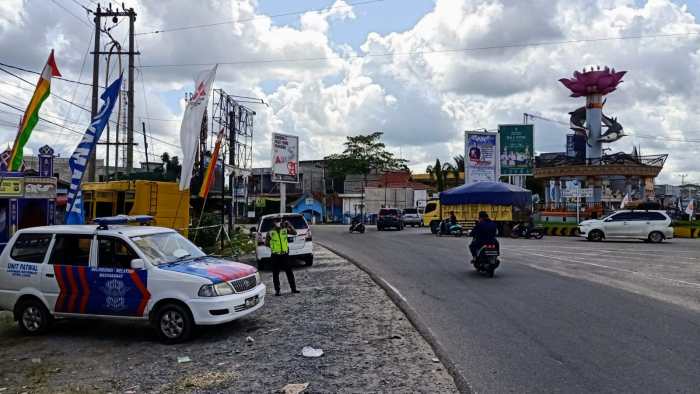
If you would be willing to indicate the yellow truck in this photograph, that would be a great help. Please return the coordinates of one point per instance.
(169, 206)
(503, 202)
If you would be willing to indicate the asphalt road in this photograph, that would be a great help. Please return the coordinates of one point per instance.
(561, 315)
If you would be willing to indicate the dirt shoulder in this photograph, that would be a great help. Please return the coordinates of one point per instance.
(368, 345)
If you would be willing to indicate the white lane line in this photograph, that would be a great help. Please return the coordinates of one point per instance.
(395, 290)
(610, 252)
(569, 260)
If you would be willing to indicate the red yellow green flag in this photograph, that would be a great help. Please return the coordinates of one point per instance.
(208, 179)
(31, 114)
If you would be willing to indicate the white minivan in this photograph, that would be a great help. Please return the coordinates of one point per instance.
(652, 226)
(300, 245)
(126, 272)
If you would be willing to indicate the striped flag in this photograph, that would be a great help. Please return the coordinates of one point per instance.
(31, 114)
(208, 179)
(691, 207)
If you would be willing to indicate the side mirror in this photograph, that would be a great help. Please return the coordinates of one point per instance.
(138, 264)
(253, 230)
(608, 220)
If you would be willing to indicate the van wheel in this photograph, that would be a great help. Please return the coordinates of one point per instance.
(656, 237)
(595, 236)
(174, 323)
(309, 260)
(33, 317)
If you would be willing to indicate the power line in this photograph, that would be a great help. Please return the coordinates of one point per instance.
(205, 25)
(70, 13)
(423, 52)
(42, 118)
(38, 73)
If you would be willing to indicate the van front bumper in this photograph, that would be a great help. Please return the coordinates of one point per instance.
(223, 309)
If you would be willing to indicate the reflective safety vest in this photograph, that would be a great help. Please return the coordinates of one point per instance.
(278, 241)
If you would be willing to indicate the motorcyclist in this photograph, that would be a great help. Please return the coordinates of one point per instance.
(453, 218)
(530, 225)
(484, 232)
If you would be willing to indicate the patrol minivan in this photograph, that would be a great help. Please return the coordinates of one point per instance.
(112, 270)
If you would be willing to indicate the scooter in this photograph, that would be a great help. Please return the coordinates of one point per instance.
(446, 228)
(486, 260)
(520, 231)
(357, 226)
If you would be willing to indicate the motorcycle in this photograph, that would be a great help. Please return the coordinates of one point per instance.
(447, 228)
(521, 231)
(357, 226)
(486, 260)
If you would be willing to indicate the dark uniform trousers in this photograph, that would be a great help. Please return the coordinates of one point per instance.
(280, 262)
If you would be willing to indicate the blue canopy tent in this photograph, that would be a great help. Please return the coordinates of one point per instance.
(496, 193)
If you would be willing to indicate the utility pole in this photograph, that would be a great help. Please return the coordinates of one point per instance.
(91, 170)
(114, 14)
(683, 176)
(145, 144)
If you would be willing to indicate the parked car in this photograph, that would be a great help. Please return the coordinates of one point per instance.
(112, 270)
(411, 217)
(300, 245)
(653, 226)
(390, 217)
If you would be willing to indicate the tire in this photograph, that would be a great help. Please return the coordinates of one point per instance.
(515, 234)
(379, 228)
(459, 233)
(362, 230)
(539, 235)
(491, 272)
(33, 317)
(174, 323)
(596, 236)
(656, 237)
(308, 260)
(434, 226)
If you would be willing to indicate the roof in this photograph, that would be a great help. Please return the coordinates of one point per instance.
(497, 193)
(92, 229)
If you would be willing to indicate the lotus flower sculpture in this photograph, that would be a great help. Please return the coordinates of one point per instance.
(592, 81)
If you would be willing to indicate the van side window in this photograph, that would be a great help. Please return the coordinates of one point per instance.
(31, 248)
(430, 207)
(70, 249)
(114, 253)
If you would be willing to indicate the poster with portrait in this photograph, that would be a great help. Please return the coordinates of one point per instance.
(285, 158)
(516, 144)
(481, 162)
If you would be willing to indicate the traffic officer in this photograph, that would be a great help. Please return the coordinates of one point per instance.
(277, 241)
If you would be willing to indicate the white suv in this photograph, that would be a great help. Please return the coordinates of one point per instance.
(300, 245)
(652, 226)
(118, 271)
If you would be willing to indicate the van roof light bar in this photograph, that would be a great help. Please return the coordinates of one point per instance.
(103, 223)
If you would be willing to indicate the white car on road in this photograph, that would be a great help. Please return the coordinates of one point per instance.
(300, 245)
(113, 270)
(652, 226)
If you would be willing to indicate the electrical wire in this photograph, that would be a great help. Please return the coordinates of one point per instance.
(82, 68)
(70, 13)
(424, 52)
(39, 73)
(42, 118)
(205, 25)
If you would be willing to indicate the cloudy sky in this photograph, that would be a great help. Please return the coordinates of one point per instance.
(422, 72)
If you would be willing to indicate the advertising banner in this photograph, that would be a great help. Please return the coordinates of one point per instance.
(39, 187)
(481, 156)
(516, 149)
(285, 158)
(11, 187)
(576, 146)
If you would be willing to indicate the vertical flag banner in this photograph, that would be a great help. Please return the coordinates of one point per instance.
(285, 158)
(31, 114)
(208, 179)
(516, 149)
(78, 161)
(192, 124)
(481, 157)
(690, 208)
(625, 201)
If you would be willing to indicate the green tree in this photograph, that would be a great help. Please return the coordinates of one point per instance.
(171, 166)
(439, 172)
(459, 162)
(362, 154)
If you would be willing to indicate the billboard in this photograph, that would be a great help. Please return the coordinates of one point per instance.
(576, 146)
(37, 187)
(516, 149)
(480, 156)
(285, 158)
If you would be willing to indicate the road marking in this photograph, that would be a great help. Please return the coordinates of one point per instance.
(693, 284)
(395, 290)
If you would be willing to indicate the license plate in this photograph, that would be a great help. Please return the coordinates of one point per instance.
(251, 302)
(290, 239)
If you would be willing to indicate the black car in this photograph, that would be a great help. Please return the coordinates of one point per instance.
(390, 217)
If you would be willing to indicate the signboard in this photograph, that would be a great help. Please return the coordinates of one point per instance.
(574, 192)
(11, 187)
(39, 187)
(516, 149)
(481, 159)
(285, 158)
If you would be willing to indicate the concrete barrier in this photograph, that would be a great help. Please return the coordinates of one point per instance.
(569, 231)
(686, 232)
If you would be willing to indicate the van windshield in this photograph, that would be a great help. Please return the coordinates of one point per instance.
(164, 248)
(410, 211)
(297, 221)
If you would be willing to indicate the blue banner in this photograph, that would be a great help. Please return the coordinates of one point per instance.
(78, 161)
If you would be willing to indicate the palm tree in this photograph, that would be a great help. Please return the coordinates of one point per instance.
(439, 173)
(459, 162)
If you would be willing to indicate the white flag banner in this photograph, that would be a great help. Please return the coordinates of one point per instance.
(690, 208)
(625, 201)
(192, 124)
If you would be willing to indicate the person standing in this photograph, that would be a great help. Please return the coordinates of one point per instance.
(276, 240)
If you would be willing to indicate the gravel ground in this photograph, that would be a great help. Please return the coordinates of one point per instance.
(368, 344)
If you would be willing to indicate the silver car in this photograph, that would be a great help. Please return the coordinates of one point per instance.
(411, 217)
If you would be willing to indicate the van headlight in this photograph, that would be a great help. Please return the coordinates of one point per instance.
(219, 289)
(258, 279)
